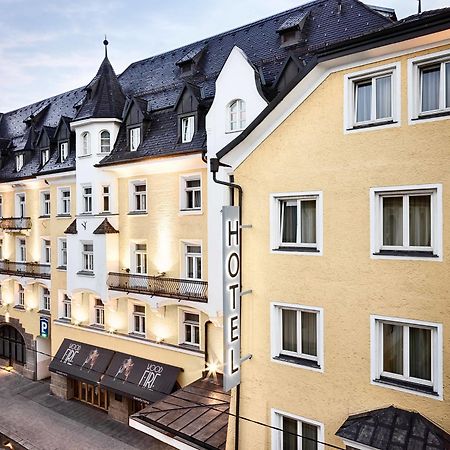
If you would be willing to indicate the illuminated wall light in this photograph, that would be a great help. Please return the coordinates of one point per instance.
(161, 332)
(7, 317)
(163, 261)
(212, 367)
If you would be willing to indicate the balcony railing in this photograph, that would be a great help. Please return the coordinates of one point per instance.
(192, 290)
(15, 223)
(25, 269)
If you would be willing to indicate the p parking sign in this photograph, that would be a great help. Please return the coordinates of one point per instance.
(44, 327)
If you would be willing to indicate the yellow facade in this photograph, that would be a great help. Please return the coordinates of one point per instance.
(309, 151)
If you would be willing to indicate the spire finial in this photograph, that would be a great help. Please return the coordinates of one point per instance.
(105, 43)
(420, 6)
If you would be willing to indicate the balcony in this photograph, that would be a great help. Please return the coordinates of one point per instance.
(192, 290)
(15, 223)
(25, 269)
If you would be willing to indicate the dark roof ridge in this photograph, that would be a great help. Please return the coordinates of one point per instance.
(372, 8)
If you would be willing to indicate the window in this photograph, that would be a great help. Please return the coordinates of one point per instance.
(192, 194)
(106, 199)
(187, 128)
(45, 156)
(296, 222)
(139, 196)
(63, 151)
(105, 142)
(140, 252)
(406, 221)
(62, 253)
(193, 261)
(1, 206)
(46, 251)
(407, 354)
(139, 319)
(20, 205)
(21, 250)
(45, 303)
(99, 313)
(87, 199)
(45, 204)
(85, 144)
(20, 295)
(295, 433)
(236, 115)
(297, 335)
(19, 162)
(88, 257)
(191, 328)
(64, 201)
(135, 138)
(1, 249)
(66, 307)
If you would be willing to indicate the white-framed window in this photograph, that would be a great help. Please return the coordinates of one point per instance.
(45, 299)
(138, 318)
(46, 251)
(19, 162)
(406, 221)
(87, 199)
(297, 335)
(20, 300)
(407, 354)
(20, 205)
(292, 432)
(106, 198)
(99, 312)
(296, 222)
(63, 151)
(135, 138)
(87, 256)
(138, 196)
(45, 203)
(45, 156)
(372, 97)
(140, 258)
(66, 312)
(429, 79)
(193, 261)
(236, 115)
(187, 128)
(190, 328)
(105, 141)
(21, 250)
(191, 193)
(64, 201)
(62, 253)
(85, 143)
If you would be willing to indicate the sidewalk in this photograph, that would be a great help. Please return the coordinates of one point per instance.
(39, 421)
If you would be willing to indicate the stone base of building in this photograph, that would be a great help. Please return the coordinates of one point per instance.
(119, 407)
(61, 386)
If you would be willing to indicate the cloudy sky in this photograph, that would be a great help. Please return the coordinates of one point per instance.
(50, 46)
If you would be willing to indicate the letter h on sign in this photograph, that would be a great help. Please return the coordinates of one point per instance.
(231, 297)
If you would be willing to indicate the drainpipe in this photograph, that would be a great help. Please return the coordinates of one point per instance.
(215, 164)
(206, 343)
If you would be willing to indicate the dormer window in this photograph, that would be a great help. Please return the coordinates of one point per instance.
(291, 30)
(45, 156)
(19, 162)
(63, 151)
(85, 144)
(135, 138)
(187, 128)
(236, 115)
(105, 142)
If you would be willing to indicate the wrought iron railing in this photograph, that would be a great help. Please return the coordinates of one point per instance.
(193, 290)
(15, 223)
(25, 269)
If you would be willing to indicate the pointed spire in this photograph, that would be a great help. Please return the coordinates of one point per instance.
(105, 43)
(420, 6)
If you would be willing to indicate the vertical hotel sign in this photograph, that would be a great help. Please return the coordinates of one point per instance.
(231, 297)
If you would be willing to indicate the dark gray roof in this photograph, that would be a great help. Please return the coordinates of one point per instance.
(394, 429)
(293, 21)
(105, 228)
(158, 80)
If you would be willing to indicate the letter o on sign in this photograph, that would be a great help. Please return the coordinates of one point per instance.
(233, 265)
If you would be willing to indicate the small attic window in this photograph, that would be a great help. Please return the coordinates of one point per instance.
(187, 68)
(289, 37)
(19, 162)
(45, 156)
(291, 30)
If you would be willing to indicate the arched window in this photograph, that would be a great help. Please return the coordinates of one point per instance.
(86, 143)
(236, 115)
(105, 142)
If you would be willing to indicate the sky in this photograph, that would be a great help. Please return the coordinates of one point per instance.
(51, 46)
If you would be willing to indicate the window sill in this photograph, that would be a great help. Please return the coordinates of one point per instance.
(62, 268)
(85, 273)
(234, 131)
(136, 335)
(298, 361)
(96, 326)
(408, 253)
(19, 307)
(84, 156)
(63, 216)
(191, 212)
(194, 347)
(137, 213)
(84, 214)
(415, 387)
(65, 320)
(431, 115)
(44, 312)
(296, 250)
(372, 125)
(44, 217)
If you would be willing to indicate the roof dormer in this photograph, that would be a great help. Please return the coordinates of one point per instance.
(188, 64)
(291, 30)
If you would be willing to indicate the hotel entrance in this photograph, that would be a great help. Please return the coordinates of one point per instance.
(90, 394)
(12, 345)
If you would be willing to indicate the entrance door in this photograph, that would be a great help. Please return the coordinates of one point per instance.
(12, 345)
(90, 394)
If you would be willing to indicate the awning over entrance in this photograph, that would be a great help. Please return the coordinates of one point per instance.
(392, 427)
(81, 361)
(140, 378)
